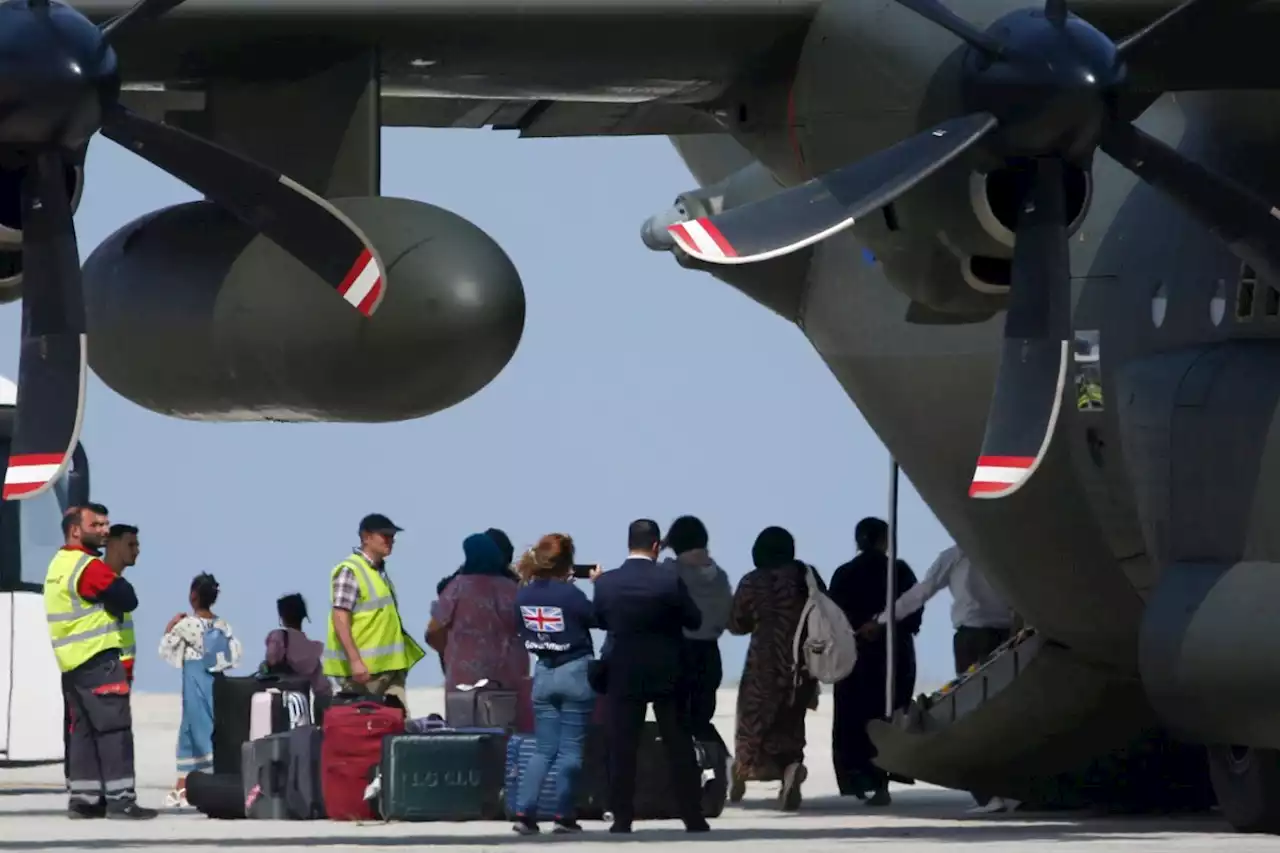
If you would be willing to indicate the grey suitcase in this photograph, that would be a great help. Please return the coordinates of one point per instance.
(485, 706)
(263, 766)
(280, 775)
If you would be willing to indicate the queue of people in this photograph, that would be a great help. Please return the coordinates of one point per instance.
(663, 619)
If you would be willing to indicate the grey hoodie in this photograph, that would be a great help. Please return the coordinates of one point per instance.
(709, 587)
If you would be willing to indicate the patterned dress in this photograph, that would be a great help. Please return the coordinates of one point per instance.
(478, 613)
(771, 704)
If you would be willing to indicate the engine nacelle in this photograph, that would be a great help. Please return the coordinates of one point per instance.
(11, 226)
(192, 314)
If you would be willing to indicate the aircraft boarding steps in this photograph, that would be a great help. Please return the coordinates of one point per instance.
(1037, 723)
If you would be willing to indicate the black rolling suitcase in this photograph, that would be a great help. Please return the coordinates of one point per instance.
(216, 795)
(233, 711)
(281, 776)
(451, 774)
(655, 799)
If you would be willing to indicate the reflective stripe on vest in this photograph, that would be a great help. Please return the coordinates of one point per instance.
(78, 629)
(128, 644)
(376, 629)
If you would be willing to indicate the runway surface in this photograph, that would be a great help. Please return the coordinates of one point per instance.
(922, 817)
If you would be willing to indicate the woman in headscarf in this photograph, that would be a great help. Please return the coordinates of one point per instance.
(859, 588)
(473, 622)
(773, 695)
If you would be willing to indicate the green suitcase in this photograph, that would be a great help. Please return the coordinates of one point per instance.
(451, 775)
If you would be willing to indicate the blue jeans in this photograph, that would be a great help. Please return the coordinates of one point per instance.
(563, 702)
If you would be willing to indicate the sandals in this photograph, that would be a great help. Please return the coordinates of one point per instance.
(176, 799)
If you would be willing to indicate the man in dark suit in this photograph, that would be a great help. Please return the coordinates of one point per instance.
(645, 608)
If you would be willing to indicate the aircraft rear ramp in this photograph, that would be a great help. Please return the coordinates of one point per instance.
(1037, 724)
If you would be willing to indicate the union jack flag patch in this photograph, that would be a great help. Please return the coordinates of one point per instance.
(542, 619)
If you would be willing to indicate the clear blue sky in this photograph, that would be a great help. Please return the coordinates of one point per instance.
(639, 390)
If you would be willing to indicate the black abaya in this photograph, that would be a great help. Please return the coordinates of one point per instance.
(858, 588)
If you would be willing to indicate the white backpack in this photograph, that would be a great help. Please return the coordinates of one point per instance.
(825, 644)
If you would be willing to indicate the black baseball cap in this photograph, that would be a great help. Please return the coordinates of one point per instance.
(378, 523)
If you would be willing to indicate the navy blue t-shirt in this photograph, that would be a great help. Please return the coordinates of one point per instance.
(556, 619)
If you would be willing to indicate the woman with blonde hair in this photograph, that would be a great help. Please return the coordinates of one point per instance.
(556, 619)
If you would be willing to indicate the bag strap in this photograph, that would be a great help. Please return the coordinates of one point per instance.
(810, 580)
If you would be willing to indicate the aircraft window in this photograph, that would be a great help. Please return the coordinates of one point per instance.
(29, 534)
(1271, 307)
(1159, 305)
(1218, 304)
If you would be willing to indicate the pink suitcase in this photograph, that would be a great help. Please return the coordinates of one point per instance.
(274, 711)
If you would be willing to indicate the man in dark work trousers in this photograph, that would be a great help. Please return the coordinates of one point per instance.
(645, 608)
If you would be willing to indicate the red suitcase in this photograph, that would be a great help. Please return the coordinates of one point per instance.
(352, 749)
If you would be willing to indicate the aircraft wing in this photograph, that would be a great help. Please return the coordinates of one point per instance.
(544, 67)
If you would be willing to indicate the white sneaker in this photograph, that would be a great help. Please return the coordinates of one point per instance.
(994, 805)
(176, 799)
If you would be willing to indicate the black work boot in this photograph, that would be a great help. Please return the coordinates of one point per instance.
(80, 810)
(130, 811)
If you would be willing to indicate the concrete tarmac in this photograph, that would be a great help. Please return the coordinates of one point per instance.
(922, 817)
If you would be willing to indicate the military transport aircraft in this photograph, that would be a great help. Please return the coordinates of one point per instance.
(942, 199)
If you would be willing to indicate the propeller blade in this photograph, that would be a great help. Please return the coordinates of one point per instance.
(140, 13)
(1033, 359)
(829, 203)
(939, 14)
(51, 372)
(1247, 223)
(1182, 23)
(299, 221)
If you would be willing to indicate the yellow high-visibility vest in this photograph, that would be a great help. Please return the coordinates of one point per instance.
(78, 629)
(375, 625)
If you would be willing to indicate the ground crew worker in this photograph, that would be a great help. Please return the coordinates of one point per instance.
(367, 649)
(122, 553)
(87, 605)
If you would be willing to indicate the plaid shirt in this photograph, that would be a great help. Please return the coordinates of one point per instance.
(346, 591)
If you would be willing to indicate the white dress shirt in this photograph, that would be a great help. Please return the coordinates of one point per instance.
(975, 604)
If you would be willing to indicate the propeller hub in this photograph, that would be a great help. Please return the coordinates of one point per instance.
(58, 77)
(1052, 90)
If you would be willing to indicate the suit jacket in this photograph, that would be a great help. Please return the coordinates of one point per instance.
(645, 608)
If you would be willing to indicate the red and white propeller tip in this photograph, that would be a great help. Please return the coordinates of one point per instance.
(32, 473)
(701, 239)
(998, 476)
(362, 287)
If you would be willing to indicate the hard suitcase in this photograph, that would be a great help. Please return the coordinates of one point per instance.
(273, 711)
(263, 765)
(281, 776)
(216, 795)
(593, 782)
(351, 752)
(451, 774)
(655, 799)
(486, 705)
(232, 710)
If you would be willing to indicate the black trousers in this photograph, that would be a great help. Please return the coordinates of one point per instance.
(702, 672)
(625, 719)
(100, 745)
(971, 645)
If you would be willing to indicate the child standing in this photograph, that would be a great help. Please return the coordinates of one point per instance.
(201, 645)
